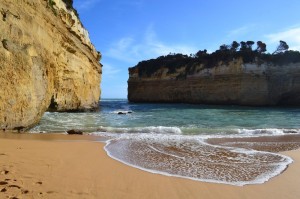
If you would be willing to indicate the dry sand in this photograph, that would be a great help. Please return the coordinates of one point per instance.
(40, 166)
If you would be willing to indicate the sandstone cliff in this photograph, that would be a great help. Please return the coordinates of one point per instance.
(46, 61)
(234, 82)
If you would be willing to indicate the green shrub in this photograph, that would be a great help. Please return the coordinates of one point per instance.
(225, 54)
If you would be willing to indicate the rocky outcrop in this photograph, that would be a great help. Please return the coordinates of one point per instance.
(235, 82)
(46, 62)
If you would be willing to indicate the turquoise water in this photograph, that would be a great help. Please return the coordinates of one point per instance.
(171, 139)
(174, 118)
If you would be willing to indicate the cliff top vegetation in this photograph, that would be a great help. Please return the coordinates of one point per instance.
(226, 53)
(69, 6)
(69, 3)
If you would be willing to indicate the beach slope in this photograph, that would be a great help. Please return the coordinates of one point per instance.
(61, 166)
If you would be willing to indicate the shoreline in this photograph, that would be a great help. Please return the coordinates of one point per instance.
(64, 166)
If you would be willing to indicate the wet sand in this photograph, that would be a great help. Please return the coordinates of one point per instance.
(62, 166)
(264, 143)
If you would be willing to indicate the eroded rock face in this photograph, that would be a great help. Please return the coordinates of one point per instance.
(234, 83)
(46, 60)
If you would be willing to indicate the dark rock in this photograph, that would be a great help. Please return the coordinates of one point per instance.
(74, 132)
(19, 128)
(124, 112)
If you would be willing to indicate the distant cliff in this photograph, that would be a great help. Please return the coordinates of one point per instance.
(226, 77)
(46, 62)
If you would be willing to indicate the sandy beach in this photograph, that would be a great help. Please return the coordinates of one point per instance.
(62, 166)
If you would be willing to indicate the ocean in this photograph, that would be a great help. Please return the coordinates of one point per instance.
(174, 139)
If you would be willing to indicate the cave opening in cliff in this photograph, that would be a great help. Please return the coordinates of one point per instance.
(53, 104)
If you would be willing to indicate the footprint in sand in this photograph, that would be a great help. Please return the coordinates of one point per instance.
(50, 192)
(3, 190)
(24, 191)
(41, 194)
(4, 172)
(3, 183)
(14, 186)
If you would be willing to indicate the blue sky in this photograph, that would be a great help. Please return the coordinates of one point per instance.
(129, 31)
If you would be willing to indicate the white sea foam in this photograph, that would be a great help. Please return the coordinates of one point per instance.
(148, 130)
(164, 132)
(163, 147)
(267, 131)
(211, 133)
(122, 112)
(162, 152)
(190, 157)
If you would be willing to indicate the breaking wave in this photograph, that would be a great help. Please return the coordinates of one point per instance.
(150, 129)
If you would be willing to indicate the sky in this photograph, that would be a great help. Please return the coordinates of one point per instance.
(129, 31)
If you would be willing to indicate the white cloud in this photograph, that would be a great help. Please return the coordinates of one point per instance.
(109, 70)
(291, 36)
(84, 5)
(131, 50)
(159, 48)
(241, 30)
(122, 50)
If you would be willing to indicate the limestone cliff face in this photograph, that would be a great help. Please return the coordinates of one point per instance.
(46, 61)
(234, 83)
